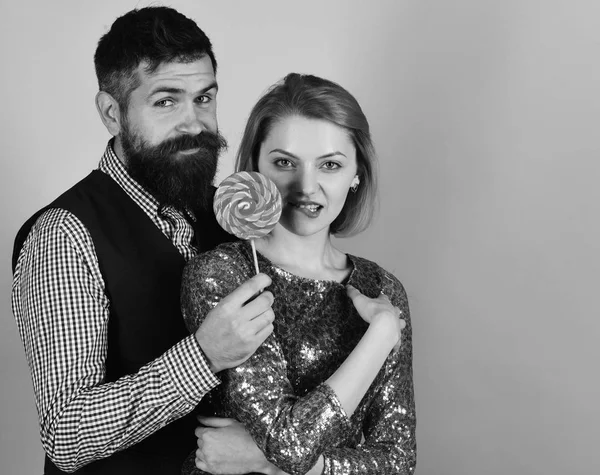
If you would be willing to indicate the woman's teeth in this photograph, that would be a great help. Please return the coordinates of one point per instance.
(312, 208)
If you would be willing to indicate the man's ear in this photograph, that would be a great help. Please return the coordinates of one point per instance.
(110, 113)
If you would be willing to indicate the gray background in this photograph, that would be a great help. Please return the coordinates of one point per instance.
(485, 116)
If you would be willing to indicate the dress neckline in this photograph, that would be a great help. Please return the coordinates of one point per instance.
(300, 278)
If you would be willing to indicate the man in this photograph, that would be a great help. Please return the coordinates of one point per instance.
(97, 272)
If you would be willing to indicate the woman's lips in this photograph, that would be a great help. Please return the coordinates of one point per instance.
(310, 209)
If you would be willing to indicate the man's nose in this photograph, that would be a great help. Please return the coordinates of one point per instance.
(191, 121)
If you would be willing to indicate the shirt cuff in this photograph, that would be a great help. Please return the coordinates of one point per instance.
(189, 370)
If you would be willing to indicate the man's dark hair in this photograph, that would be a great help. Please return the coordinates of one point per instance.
(153, 35)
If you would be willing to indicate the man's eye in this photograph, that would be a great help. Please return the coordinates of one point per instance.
(204, 99)
(164, 103)
(331, 165)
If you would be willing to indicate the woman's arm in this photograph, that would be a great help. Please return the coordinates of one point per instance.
(389, 429)
(293, 431)
(352, 379)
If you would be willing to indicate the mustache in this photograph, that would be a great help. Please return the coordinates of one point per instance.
(204, 140)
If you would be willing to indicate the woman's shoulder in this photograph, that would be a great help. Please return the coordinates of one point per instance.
(230, 256)
(375, 278)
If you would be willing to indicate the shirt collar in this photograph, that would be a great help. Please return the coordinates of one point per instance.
(113, 167)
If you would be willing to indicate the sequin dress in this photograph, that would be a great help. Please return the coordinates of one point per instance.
(279, 393)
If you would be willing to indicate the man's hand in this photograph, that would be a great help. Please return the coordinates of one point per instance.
(237, 326)
(224, 446)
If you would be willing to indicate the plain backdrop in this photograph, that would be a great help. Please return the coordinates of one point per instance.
(485, 118)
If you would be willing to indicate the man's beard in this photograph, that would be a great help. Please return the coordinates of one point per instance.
(183, 182)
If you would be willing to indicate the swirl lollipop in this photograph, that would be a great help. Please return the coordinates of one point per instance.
(247, 205)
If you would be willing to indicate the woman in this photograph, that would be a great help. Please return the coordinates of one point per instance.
(331, 389)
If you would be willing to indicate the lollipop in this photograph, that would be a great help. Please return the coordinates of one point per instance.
(247, 205)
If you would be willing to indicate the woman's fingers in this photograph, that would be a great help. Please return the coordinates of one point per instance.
(383, 296)
(360, 301)
(368, 307)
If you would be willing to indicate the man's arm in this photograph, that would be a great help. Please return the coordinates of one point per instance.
(225, 446)
(62, 313)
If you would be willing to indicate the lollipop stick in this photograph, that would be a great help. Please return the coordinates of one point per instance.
(254, 254)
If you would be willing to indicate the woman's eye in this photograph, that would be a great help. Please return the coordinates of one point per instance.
(283, 163)
(331, 165)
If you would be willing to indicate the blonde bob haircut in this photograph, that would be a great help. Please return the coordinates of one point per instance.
(315, 98)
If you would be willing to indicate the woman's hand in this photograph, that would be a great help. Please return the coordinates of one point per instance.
(352, 379)
(378, 311)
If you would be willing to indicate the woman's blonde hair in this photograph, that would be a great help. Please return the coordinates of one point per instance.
(316, 98)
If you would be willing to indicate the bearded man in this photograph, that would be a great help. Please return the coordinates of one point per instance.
(97, 272)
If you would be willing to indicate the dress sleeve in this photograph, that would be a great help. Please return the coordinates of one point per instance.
(207, 279)
(389, 444)
(291, 431)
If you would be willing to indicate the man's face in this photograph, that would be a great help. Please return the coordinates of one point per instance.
(169, 138)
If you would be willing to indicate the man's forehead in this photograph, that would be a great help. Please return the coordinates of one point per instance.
(200, 69)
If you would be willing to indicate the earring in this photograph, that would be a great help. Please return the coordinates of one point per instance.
(354, 184)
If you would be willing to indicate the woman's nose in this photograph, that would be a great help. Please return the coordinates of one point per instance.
(307, 182)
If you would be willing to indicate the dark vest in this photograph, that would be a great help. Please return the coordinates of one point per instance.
(142, 273)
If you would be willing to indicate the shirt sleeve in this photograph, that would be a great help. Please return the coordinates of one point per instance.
(389, 444)
(291, 431)
(62, 314)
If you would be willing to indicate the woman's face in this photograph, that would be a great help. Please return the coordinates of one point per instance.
(313, 163)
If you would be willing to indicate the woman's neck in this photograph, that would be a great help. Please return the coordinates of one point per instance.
(312, 257)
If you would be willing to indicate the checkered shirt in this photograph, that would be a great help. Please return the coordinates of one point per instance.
(62, 313)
